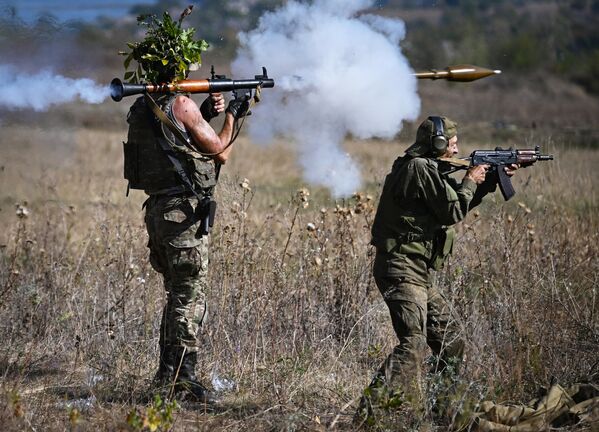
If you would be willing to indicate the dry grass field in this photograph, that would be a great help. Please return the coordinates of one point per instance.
(296, 325)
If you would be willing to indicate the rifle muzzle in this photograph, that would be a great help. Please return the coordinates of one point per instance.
(545, 157)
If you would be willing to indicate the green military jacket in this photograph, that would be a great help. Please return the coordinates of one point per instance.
(417, 208)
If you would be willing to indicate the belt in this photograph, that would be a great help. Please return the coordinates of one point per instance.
(174, 192)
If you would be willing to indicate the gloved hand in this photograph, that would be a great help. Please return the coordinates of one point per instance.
(239, 107)
(212, 106)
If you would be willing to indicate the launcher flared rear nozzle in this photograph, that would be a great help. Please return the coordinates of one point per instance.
(119, 89)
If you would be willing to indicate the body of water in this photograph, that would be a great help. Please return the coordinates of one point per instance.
(83, 10)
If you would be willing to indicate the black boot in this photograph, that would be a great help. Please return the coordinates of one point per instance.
(188, 382)
(165, 375)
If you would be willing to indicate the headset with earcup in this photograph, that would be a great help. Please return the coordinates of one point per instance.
(438, 140)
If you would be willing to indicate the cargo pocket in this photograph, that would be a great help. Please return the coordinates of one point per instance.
(410, 318)
(181, 224)
(175, 215)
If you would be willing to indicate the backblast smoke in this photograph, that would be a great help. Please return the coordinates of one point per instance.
(337, 73)
(41, 90)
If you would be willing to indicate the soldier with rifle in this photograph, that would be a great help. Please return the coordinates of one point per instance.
(174, 155)
(413, 235)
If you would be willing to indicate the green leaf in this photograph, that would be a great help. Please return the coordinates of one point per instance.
(167, 50)
(128, 61)
(152, 57)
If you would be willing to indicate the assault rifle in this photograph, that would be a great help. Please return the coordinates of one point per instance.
(216, 84)
(498, 159)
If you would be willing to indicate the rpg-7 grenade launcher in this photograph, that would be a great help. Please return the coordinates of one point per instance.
(216, 84)
(498, 159)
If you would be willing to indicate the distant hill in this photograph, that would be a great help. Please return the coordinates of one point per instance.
(556, 37)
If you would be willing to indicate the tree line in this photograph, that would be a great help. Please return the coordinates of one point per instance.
(558, 37)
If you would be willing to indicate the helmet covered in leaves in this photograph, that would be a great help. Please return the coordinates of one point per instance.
(167, 53)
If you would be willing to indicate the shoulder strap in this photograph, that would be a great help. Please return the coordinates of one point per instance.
(175, 130)
(168, 122)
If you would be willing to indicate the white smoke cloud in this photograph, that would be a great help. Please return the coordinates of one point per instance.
(41, 90)
(335, 74)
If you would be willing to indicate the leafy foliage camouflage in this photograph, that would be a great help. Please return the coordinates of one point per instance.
(166, 54)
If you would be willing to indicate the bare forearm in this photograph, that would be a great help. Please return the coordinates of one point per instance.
(225, 136)
(205, 139)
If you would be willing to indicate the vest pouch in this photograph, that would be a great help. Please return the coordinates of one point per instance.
(204, 172)
(442, 247)
(131, 168)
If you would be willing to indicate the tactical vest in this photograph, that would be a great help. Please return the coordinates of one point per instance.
(147, 166)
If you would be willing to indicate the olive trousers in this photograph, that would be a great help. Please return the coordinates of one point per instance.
(180, 254)
(420, 316)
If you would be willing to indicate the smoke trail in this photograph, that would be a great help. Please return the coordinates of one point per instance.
(336, 74)
(41, 90)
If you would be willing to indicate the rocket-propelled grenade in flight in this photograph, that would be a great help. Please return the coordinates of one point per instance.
(461, 73)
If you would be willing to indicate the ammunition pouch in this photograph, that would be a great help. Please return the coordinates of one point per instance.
(442, 247)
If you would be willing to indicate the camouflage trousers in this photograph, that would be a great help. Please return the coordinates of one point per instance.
(420, 316)
(180, 254)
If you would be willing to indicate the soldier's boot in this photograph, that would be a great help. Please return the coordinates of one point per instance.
(372, 397)
(166, 367)
(165, 375)
(446, 374)
(188, 383)
(364, 415)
